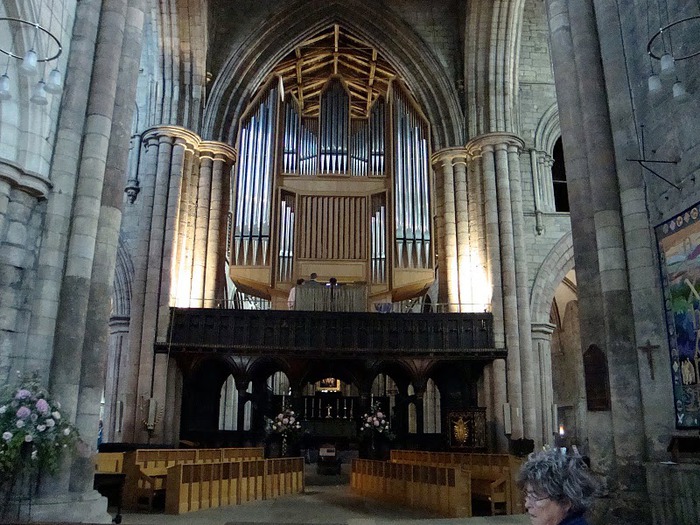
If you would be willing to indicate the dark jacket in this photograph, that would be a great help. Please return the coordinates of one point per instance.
(575, 518)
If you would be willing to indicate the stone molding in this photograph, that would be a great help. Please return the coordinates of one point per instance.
(26, 181)
(543, 330)
(454, 155)
(494, 141)
(192, 141)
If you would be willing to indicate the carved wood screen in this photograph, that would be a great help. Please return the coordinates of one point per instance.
(333, 227)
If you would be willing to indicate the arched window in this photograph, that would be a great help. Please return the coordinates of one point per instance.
(595, 368)
(228, 405)
(561, 195)
(432, 423)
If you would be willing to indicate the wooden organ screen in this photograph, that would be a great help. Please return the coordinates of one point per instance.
(333, 227)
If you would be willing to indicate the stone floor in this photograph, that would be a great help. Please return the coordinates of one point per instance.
(327, 500)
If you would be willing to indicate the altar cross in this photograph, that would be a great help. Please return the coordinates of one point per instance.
(648, 349)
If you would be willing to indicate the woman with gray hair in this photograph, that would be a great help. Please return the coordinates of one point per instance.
(558, 488)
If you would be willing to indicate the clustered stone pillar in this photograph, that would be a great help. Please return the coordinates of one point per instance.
(460, 229)
(178, 259)
(442, 161)
(606, 315)
(496, 158)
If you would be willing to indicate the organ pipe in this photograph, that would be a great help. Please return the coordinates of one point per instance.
(411, 185)
(254, 183)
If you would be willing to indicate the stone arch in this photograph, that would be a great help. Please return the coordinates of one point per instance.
(254, 57)
(548, 130)
(558, 262)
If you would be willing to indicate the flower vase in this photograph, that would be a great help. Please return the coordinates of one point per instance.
(283, 451)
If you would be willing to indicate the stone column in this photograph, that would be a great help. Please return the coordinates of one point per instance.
(606, 315)
(95, 346)
(66, 160)
(223, 157)
(480, 275)
(201, 231)
(542, 348)
(504, 220)
(155, 269)
(485, 161)
(162, 277)
(462, 205)
(156, 153)
(442, 161)
(531, 430)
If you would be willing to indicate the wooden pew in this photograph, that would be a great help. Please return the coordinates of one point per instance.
(192, 487)
(442, 489)
(494, 476)
(109, 462)
(147, 469)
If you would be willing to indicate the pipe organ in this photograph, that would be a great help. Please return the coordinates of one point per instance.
(331, 190)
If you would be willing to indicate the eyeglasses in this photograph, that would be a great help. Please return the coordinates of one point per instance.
(533, 497)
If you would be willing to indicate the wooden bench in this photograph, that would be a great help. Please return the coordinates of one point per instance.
(192, 487)
(146, 470)
(442, 489)
(493, 476)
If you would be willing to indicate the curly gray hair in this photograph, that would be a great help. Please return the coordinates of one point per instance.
(562, 478)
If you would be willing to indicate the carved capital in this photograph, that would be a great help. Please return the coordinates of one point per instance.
(494, 141)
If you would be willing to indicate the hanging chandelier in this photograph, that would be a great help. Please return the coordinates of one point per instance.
(34, 50)
(669, 45)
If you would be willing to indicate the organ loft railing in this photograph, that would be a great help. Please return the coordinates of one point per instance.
(333, 180)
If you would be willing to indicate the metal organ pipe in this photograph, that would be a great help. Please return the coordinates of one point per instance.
(253, 185)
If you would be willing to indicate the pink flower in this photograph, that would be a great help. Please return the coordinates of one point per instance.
(23, 413)
(23, 394)
(42, 406)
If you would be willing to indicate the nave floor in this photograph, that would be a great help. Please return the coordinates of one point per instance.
(327, 500)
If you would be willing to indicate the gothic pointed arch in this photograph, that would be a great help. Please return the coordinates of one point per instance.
(548, 130)
(558, 262)
(252, 60)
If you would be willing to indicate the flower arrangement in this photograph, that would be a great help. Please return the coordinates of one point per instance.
(375, 421)
(33, 431)
(286, 423)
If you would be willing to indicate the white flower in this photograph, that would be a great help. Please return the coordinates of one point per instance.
(56, 414)
(28, 438)
(41, 428)
(34, 417)
(34, 454)
(19, 423)
(3, 409)
(291, 420)
(7, 436)
(50, 423)
(285, 421)
(66, 431)
(369, 419)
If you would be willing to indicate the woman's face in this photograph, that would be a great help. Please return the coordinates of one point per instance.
(543, 510)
